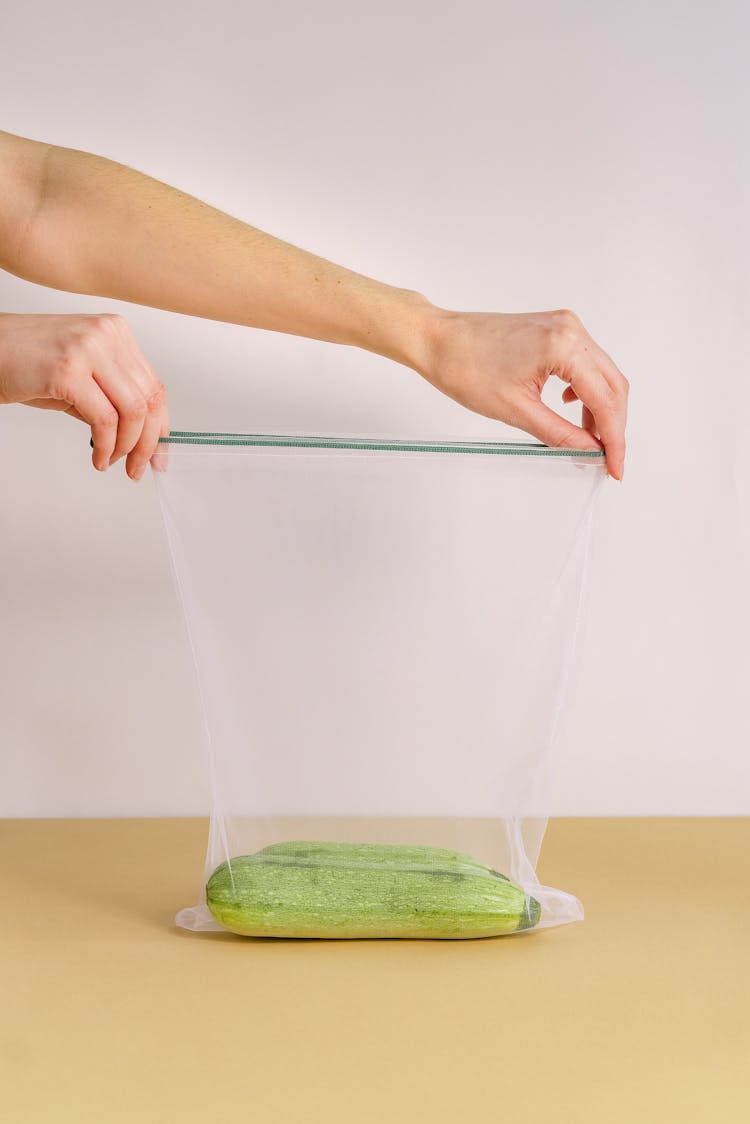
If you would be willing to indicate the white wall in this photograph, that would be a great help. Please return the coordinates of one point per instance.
(493, 156)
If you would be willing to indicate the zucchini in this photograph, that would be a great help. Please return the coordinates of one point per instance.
(312, 888)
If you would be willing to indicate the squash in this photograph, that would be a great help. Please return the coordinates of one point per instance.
(323, 889)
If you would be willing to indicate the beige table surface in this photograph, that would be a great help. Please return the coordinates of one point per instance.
(110, 1013)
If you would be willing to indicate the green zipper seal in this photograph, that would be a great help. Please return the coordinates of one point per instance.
(298, 441)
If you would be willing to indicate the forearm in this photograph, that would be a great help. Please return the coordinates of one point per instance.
(104, 229)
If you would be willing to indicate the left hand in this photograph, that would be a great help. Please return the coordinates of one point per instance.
(497, 364)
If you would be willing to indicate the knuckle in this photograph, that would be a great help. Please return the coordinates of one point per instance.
(565, 330)
(601, 399)
(156, 399)
(135, 410)
(102, 328)
(610, 398)
(566, 318)
(109, 322)
(106, 418)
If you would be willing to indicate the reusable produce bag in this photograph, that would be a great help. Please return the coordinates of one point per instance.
(385, 634)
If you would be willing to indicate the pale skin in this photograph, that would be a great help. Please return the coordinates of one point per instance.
(81, 223)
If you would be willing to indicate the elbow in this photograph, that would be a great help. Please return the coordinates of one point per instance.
(23, 249)
(24, 185)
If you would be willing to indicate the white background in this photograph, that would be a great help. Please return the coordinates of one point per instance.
(494, 156)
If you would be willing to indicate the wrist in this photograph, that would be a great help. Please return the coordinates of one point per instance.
(440, 332)
(403, 327)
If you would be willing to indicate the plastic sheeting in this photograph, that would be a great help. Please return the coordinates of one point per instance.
(385, 636)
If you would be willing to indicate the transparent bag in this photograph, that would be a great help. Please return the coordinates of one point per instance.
(385, 635)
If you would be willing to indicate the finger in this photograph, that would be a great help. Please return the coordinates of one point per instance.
(124, 374)
(532, 415)
(587, 420)
(88, 402)
(153, 390)
(607, 409)
(127, 398)
(137, 368)
(157, 424)
(148, 442)
(158, 461)
(612, 374)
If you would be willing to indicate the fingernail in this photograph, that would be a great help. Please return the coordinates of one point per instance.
(137, 473)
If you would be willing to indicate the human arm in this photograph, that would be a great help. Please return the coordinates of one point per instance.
(98, 227)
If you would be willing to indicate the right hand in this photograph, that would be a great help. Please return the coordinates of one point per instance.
(497, 363)
(90, 367)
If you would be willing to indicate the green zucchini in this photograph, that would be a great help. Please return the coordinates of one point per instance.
(325, 889)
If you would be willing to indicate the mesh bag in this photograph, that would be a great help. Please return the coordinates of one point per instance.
(384, 634)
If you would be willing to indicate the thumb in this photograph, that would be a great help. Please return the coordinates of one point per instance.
(539, 420)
